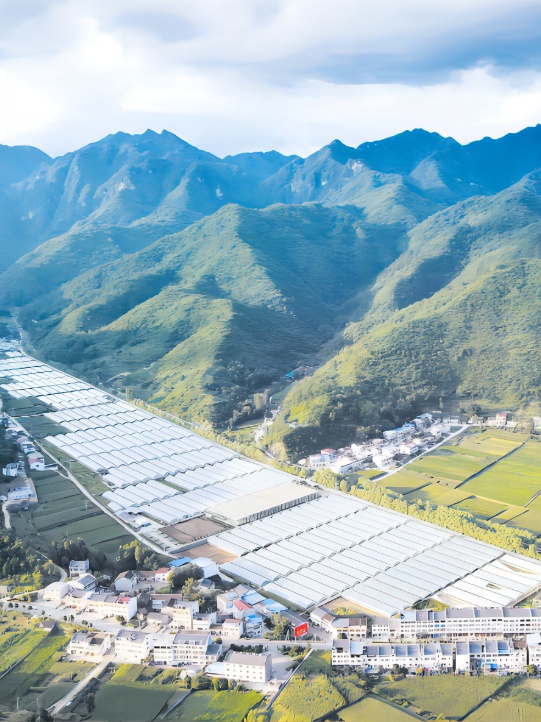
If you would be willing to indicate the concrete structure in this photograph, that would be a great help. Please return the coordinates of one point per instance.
(232, 628)
(370, 655)
(55, 592)
(90, 645)
(203, 622)
(36, 461)
(84, 583)
(454, 623)
(126, 582)
(11, 470)
(246, 667)
(533, 642)
(253, 625)
(185, 648)
(180, 612)
(132, 646)
(490, 655)
(163, 574)
(110, 605)
(78, 567)
(263, 503)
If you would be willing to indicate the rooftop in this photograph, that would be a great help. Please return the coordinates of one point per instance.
(247, 658)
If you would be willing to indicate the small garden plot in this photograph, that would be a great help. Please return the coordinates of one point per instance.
(207, 706)
(430, 492)
(482, 508)
(402, 482)
(451, 496)
(513, 512)
(530, 520)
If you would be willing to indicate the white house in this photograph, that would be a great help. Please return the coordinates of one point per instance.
(207, 566)
(126, 582)
(185, 648)
(110, 605)
(36, 461)
(55, 592)
(246, 667)
(232, 628)
(533, 642)
(84, 583)
(371, 655)
(89, 645)
(132, 646)
(203, 622)
(490, 655)
(163, 574)
(79, 567)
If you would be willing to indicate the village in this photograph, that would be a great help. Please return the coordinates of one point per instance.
(243, 636)
(401, 445)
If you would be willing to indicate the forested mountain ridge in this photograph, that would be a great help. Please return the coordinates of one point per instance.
(400, 271)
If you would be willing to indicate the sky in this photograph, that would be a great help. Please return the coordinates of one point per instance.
(241, 75)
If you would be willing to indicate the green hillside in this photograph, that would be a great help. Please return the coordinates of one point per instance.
(200, 320)
(479, 340)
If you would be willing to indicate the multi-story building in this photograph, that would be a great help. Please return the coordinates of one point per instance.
(454, 623)
(369, 655)
(533, 642)
(232, 628)
(79, 567)
(89, 645)
(132, 646)
(193, 648)
(499, 655)
(180, 612)
(203, 622)
(340, 627)
(247, 667)
(109, 605)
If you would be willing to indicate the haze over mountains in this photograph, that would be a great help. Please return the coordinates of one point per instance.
(404, 271)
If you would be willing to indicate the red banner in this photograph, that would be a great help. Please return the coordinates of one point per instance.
(300, 630)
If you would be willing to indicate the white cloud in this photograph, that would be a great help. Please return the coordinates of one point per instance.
(284, 74)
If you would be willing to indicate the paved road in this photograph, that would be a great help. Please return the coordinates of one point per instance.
(70, 696)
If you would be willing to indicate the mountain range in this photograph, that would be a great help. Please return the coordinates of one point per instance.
(392, 276)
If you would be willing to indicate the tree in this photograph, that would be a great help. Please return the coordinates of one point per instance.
(531, 669)
(90, 702)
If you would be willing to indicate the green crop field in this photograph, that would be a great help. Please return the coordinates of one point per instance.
(18, 643)
(373, 709)
(505, 710)
(133, 701)
(207, 706)
(403, 481)
(63, 510)
(442, 694)
(32, 670)
(451, 462)
(530, 520)
(511, 512)
(483, 508)
(513, 480)
(452, 496)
